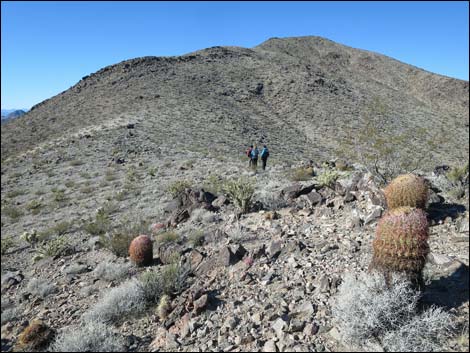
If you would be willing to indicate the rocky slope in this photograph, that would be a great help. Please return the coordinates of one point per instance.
(300, 94)
(103, 157)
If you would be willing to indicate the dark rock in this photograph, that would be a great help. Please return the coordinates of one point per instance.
(294, 191)
(220, 201)
(314, 198)
(130, 126)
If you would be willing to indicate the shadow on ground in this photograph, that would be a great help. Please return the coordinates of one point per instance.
(440, 211)
(450, 290)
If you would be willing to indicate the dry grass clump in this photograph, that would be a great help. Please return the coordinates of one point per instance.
(301, 174)
(111, 271)
(40, 288)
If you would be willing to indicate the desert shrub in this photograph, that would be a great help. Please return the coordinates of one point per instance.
(328, 178)
(13, 212)
(7, 243)
(196, 238)
(100, 225)
(11, 314)
(177, 187)
(52, 248)
(201, 215)
(89, 337)
(85, 175)
(167, 237)
(381, 144)
(427, 332)
(120, 302)
(119, 239)
(301, 174)
(59, 195)
(240, 192)
(110, 271)
(14, 193)
(32, 236)
(365, 307)
(34, 206)
(214, 184)
(69, 183)
(170, 280)
(458, 175)
(40, 288)
(87, 189)
(110, 175)
(406, 190)
(153, 171)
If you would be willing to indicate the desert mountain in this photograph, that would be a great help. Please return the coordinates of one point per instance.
(155, 146)
(301, 96)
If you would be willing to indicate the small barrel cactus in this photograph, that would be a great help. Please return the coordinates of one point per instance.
(400, 243)
(141, 250)
(34, 336)
(406, 190)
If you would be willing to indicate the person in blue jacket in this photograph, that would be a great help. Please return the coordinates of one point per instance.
(254, 157)
(264, 156)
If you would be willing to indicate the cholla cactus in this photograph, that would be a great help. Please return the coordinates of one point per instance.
(30, 237)
(240, 192)
(164, 307)
(400, 244)
(406, 190)
(141, 250)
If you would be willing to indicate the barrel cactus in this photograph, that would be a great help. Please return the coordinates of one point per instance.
(406, 190)
(141, 250)
(400, 243)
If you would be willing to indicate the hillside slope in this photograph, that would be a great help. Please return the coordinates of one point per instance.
(299, 95)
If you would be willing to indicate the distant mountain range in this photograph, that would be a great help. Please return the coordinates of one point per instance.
(12, 113)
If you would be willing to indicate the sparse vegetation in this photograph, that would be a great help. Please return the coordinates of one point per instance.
(7, 244)
(13, 212)
(328, 178)
(40, 287)
(177, 187)
(196, 238)
(301, 174)
(111, 271)
(367, 309)
(52, 248)
(88, 337)
(240, 192)
(119, 303)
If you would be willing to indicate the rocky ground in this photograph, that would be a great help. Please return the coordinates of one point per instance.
(262, 281)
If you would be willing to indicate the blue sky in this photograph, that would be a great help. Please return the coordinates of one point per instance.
(48, 46)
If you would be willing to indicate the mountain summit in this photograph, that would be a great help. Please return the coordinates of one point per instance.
(301, 95)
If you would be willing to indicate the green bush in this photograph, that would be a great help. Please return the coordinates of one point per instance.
(240, 192)
(178, 187)
(459, 175)
(301, 174)
(7, 243)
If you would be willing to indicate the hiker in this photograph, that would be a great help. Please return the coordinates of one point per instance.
(254, 157)
(248, 154)
(264, 156)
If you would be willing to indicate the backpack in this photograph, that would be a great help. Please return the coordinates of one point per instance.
(264, 153)
(248, 152)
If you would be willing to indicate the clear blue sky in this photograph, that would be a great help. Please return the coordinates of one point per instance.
(48, 46)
